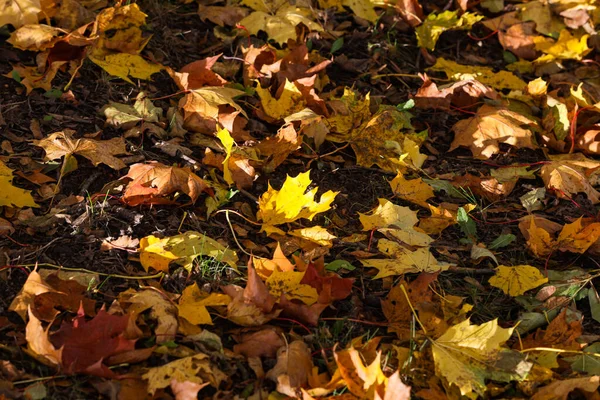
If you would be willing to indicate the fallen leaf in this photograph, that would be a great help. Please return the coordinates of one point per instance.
(19, 12)
(434, 25)
(560, 390)
(516, 280)
(153, 183)
(466, 355)
(462, 94)
(197, 369)
(197, 74)
(161, 309)
(265, 267)
(193, 303)
(485, 75)
(288, 283)
(567, 177)
(491, 126)
(13, 196)
(388, 214)
(420, 260)
(182, 249)
(294, 365)
(125, 65)
(414, 190)
(201, 107)
(63, 144)
(292, 202)
(38, 37)
(125, 116)
(259, 343)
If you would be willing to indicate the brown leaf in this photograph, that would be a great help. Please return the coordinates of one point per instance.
(152, 183)
(491, 126)
(252, 306)
(276, 149)
(197, 74)
(560, 334)
(222, 15)
(294, 365)
(410, 11)
(568, 177)
(559, 390)
(63, 143)
(161, 309)
(489, 188)
(66, 295)
(259, 343)
(519, 39)
(34, 285)
(462, 94)
(39, 345)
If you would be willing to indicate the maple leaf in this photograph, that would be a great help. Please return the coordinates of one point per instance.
(281, 25)
(287, 101)
(294, 365)
(263, 342)
(330, 286)
(125, 116)
(381, 141)
(350, 111)
(19, 12)
(466, 355)
(573, 237)
(252, 305)
(161, 309)
(434, 25)
(462, 94)
(567, 47)
(193, 303)
(197, 74)
(516, 280)
(569, 174)
(83, 345)
(414, 190)
(63, 144)
(361, 8)
(222, 15)
(183, 249)
(265, 267)
(197, 370)
(485, 75)
(201, 107)
(13, 196)
(388, 214)
(34, 77)
(37, 37)
(153, 182)
(288, 283)
(405, 261)
(292, 202)
(490, 127)
(277, 148)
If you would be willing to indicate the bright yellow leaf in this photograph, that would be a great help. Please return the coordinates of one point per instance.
(288, 284)
(265, 267)
(434, 25)
(193, 303)
(292, 202)
(576, 238)
(537, 87)
(414, 190)
(289, 102)
(10, 195)
(225, 138)
(566, 47)
(514, 281)
(125, 65)
(183, 248)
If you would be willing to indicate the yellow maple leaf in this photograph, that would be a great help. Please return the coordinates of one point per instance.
(316, 234)
(414, 190)
(10, 195)
(288, 283)
(193, 303)
(434, 25)
(576, 238)
(292, 202)
(566, 47)
(514, 281)
(289, 102)
(350, 111)
(280, 26)
(361, 8)
(420, 260)
(38, 37)
(125, 65)
(388, 214)
(485, 75)
(382, 141)
(183, 248)
(466, 355)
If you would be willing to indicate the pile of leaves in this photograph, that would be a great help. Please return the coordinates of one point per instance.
(328, 199)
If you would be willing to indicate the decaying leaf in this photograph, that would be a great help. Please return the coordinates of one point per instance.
(154, 182)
